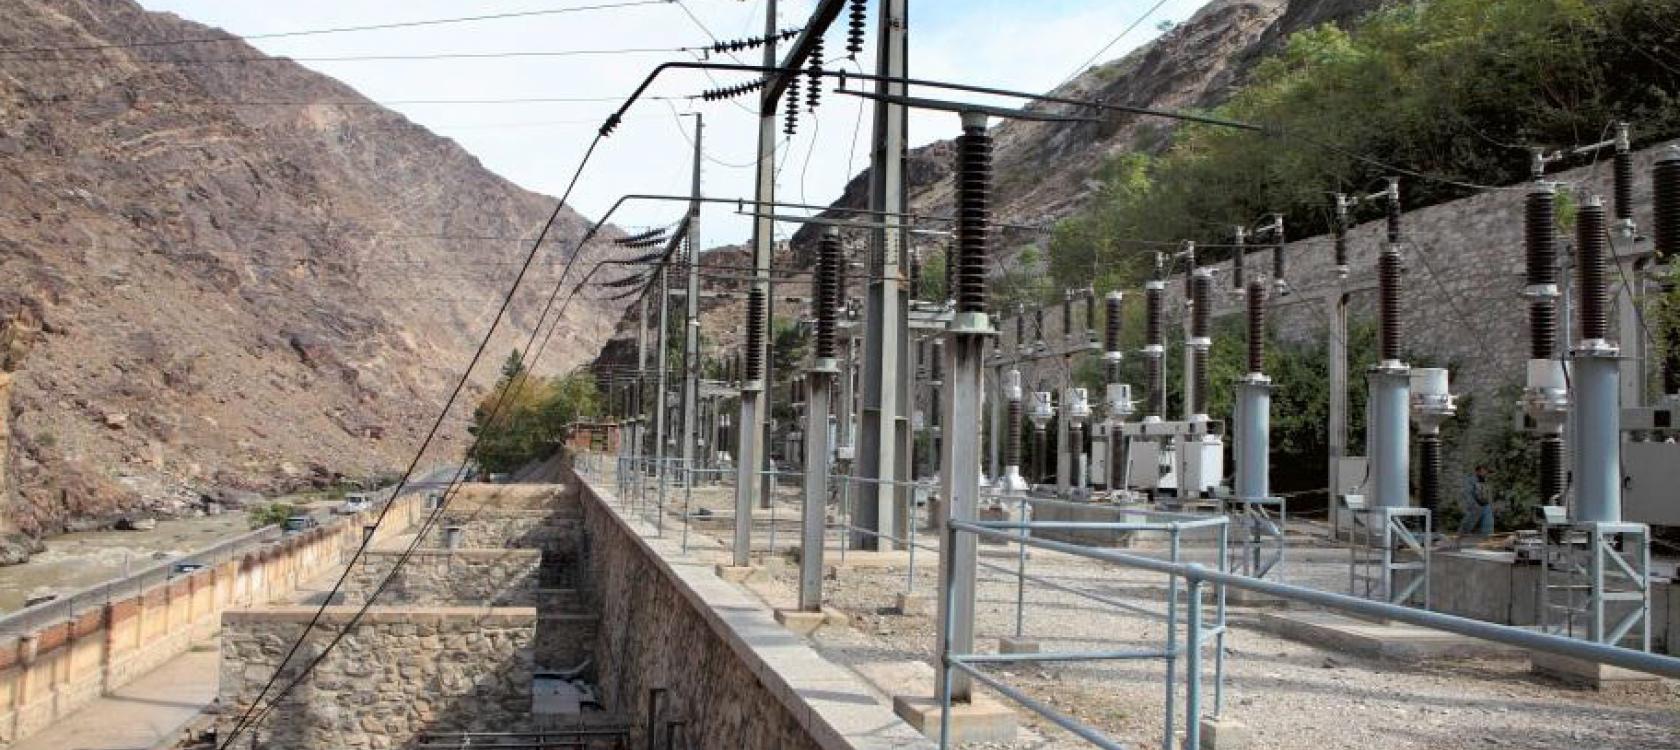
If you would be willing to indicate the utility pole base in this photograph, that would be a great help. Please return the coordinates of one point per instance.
(1594, 676)
(1225, 734)
(1023, 645)
(806, 623)
(916, 605)
(983, 719)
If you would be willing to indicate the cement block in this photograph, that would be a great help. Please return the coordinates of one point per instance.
(913, 605)
(1379, 640)
(981, 720)
(740, 573)
(1225, 734)
(806, 623)
(1010, 645)
(1594, 676)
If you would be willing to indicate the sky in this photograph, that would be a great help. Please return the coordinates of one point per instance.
(1030, 45)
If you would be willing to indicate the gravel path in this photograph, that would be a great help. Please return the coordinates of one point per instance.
(1289, 695)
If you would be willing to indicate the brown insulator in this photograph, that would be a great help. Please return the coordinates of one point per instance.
(1590, 252)
(1111, 323)
(791, 125)
(1554, 472)
(1623, 182)
(1429, 470)
(1341, 230)
(1201, 304)
(974, 215)
(1388, 291)
(1256, 326)
(1394, 212)
(813, 76)
(1665, 206)
(1540, 251)
(1199, 376)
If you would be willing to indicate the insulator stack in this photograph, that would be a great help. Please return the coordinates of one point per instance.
(1394, 211)
(1623, 174)
(828, 294)
(1111, 323)
(950, 272)
(1067, 315)
(1665, 206)
(1280, 255)
(813, 76)
(1341, 230)
(1189, 267)
(1012, 434)
(1201, 304)
(1238, 277)
(1199, 377)
(1388, 289)
(1090, 314)
(1540, 250)
(1554, 473)
(1429, 470)
(856, 22)
(974, 215)
(1590, 254)
(1155, 321)
(791, 125)
(1256, 326)
(755, 334)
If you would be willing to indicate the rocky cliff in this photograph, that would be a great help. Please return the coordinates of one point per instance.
(233, 274)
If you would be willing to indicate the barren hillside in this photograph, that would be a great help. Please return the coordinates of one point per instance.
(232, 275)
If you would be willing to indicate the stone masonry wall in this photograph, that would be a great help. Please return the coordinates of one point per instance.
(438, 577)
(401, 672)
(652, 635)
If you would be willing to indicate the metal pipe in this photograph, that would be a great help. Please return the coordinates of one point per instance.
(1640, 661)
(1254, 407)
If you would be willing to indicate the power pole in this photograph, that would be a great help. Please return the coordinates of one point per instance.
(884, 435)
(750, 448)
(691, 323)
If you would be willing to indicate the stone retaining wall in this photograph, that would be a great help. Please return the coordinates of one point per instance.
(403, 671)
(738, 679)
(62, 666)
(439, 577)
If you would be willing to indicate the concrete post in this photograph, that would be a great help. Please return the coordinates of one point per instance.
(750, 446)
(819, 384)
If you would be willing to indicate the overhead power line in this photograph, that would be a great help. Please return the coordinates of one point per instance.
(338, 29)
(492, 55)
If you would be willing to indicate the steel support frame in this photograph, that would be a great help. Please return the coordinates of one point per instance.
(819, 382)
(1390, 555)
(1604, 572)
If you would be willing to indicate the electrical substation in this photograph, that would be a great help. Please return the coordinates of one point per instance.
(936, 431)
(849, 490)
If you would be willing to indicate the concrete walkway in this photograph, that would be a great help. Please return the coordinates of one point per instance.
(141, 714)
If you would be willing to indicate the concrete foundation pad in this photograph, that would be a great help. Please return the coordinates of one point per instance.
(1594, 676)
(1379, 640)
(1225, 734)
(806, 623)
(740, 573)
(1244, 598)
(983, 719)
(916, 605)
(1010, 645)
(872, 560)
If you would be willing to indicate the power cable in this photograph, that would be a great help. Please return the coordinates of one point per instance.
(1116, 40)
(188, 61)
(338, 29)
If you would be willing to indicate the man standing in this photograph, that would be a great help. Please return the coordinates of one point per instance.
(1477, 504)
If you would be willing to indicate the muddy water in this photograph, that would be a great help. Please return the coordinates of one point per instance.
(81, 559)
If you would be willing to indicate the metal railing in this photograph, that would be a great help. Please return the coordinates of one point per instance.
(1200, 632)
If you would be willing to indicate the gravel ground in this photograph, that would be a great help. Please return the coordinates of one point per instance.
(1289, 695)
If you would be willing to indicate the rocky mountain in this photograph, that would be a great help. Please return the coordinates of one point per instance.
(1044, 170)
(221, 271)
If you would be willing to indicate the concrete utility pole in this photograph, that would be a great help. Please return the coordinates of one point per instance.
(819, 381)
(751, 428)
(659, 403)
(691, 322)
(884, 435)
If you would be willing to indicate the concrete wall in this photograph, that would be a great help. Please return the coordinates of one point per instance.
(1485, 585)
(59, 667)
(438, 577)
(739, 679)
(402, 672)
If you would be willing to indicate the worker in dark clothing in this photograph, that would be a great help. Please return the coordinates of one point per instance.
(1477, 503)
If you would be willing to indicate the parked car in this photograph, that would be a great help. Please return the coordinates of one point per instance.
(183, 568)
(354, 503)
(299, 524)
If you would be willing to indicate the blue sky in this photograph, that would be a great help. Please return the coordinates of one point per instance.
(1023, 44)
